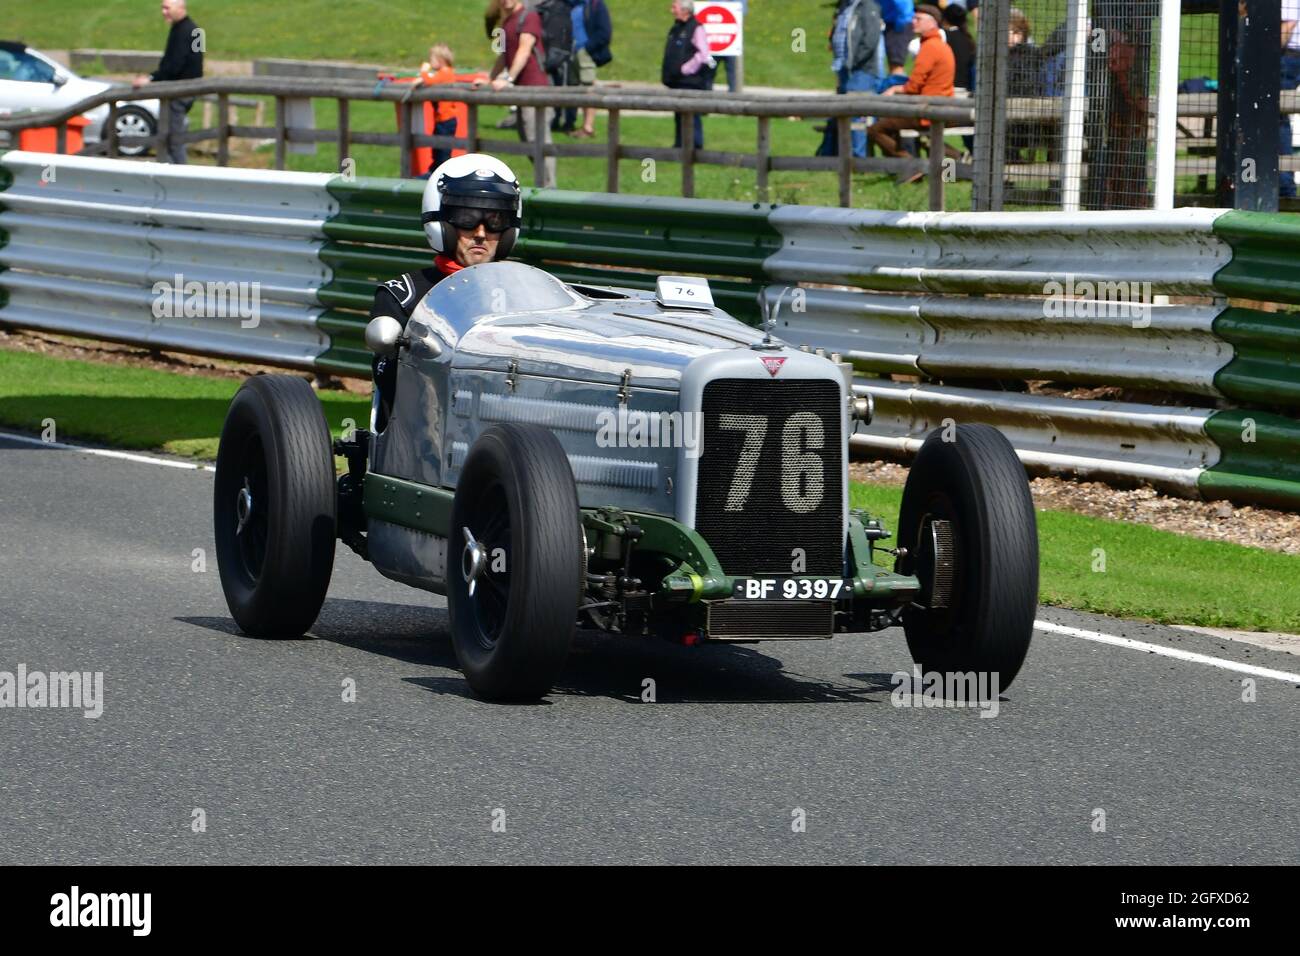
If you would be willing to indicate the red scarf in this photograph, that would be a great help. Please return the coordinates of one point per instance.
(446, 266)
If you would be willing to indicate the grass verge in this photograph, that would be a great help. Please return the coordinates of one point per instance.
(1149, 574)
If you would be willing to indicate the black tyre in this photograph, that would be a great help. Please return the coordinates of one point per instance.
(274, 506)
(523, 554)
(967, 521)
(133, 121)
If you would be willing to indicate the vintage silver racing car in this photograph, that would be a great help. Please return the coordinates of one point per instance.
(634, 462)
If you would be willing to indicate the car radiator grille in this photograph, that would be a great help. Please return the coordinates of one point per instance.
(771, 475)
(769, 620)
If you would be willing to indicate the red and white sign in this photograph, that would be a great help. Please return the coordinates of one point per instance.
(773, 364)
(724, 24)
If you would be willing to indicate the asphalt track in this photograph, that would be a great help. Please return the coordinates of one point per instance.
(96, 575)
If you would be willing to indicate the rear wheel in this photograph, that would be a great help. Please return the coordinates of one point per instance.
(967, 521)
(274, 506)
(133, 121)
(514, 562)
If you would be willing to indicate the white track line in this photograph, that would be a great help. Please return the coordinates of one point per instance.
(1047, 626)
(1161, 649)
(106, 453)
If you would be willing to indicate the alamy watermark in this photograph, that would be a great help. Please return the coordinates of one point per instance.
(628, 429)
(1086, 299)
(36, 690)
(977, 689)
(208, 300)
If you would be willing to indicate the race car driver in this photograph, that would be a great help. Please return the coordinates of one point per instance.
(471, 211)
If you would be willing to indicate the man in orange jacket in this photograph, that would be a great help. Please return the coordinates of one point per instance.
(932, 75)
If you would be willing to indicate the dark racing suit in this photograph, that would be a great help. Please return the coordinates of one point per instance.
(398, 298)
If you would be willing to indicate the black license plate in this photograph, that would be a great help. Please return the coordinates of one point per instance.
(792, 589)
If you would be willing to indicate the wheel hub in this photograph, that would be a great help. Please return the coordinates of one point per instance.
(243, 506)
(472, 560)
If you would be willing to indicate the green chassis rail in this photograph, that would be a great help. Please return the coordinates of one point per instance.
(426, 508)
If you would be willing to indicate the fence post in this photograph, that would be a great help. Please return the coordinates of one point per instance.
(405, 125)
(280, 131)
(344, 132)
(937, 155)
(687, 127)
(539, 144)
(223, 129)
(991, 107)
(112, 151)
(611, 154)
(844, 146)
(471, 127)
(1250, 72)
(164, 128)
(762, 154)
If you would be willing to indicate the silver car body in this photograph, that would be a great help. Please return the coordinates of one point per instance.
(506, 342)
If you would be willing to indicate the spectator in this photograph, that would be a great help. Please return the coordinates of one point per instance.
(1290, 80)
(856, 60)
(688, 64)
(932, 75)
(557, 58)
(962, 45)
(898, 15)
(521, 64)
(441, 69)
(1025, 71)
(730, 63)
(592, 34)
(182, 59)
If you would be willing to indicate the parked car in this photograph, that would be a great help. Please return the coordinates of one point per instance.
(30, 80)
(632, 462)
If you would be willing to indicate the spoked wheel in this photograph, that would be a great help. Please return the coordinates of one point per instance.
(967, 522)
(514, 562)
(274, 507)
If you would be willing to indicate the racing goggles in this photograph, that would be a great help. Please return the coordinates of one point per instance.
(467, 219)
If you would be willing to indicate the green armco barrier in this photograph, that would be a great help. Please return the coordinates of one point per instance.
(1263, 471)
(357, 269)
(385, 211)
(1265, 368)
(347, 353)
(657, 233)
(1265, 255)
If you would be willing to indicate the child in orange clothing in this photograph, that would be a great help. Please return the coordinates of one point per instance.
(441, 69)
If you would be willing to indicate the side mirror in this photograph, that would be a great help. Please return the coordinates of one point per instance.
(384, 335)
(59, 79)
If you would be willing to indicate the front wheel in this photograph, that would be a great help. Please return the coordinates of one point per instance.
(274, 506)
(514, 562)
(967, 522)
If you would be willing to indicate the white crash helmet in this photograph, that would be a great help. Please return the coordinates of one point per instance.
(477, 181)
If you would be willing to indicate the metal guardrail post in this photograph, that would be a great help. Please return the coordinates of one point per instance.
(611, 153)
